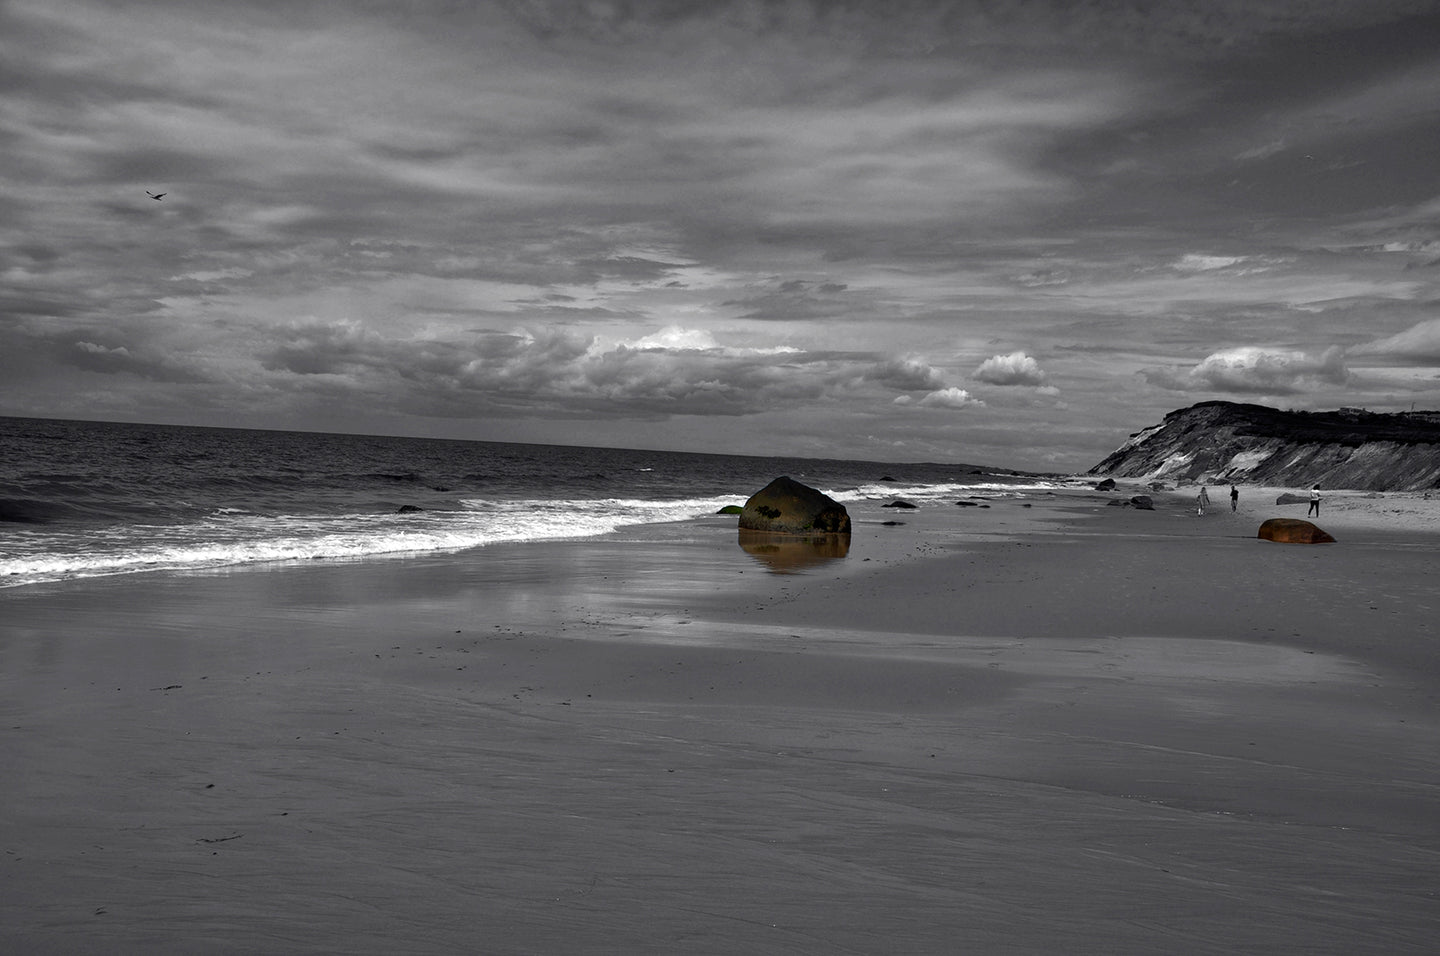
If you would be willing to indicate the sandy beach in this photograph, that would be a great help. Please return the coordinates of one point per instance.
(1049, 725)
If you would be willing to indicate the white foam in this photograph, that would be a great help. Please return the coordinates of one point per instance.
(935, 492)
(235, 537)
(239, 538)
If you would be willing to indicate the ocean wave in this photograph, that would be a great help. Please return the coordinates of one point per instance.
(84, 499)
(31, 510)
(234, 537)
(28, 511)
(936, 492)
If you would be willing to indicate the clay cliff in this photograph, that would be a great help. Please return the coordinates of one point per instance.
(1225, 441)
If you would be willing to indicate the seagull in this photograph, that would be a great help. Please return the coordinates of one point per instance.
(156, 196)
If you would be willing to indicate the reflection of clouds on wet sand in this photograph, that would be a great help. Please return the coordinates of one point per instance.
(788, 553)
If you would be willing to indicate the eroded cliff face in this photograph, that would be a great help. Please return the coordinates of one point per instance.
(1225, 441)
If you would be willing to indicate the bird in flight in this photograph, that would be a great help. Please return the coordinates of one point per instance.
(156, 196)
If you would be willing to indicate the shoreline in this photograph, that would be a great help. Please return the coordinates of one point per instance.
(1064, 727)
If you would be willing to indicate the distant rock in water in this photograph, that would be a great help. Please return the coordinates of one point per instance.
(1225, 441)
(1107, 485)
(788, 507)
(900, 503)
(730, 510)
(408, 509)
(1293, 531)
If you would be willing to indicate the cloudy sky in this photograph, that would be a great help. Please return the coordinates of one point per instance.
(1000, 231)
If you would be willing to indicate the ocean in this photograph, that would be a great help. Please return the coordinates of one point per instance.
(83, 499)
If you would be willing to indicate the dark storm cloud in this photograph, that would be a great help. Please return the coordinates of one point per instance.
(30, 355)
(326, 349)
(119, 359)
(154, 165)
(38, 303)
(628, 267)
(798, 299)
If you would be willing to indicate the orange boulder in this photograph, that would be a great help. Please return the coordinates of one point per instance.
(1293, 531)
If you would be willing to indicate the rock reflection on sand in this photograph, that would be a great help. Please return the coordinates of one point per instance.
(788, 553)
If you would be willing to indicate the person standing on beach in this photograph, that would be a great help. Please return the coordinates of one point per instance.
(1234, 496)
(1314, 502)
(1202, 502)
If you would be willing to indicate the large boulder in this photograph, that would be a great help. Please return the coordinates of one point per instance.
(1107, 485)
(1292, 531)
(1142, 502)
(788, 507)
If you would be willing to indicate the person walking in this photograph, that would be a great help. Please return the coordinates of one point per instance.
(1234, 496)
(1314, 502)
(1203, 501)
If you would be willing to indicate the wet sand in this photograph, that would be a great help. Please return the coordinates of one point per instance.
(1063, 728)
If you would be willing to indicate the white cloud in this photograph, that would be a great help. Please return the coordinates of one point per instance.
(214, 275)
(1425, 247)
(1251, 370)
(674, 337)
(1017, 368)
(1420, 344)
(951, 397)
(94, 349)
(1195, 262)
(1264, 151)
